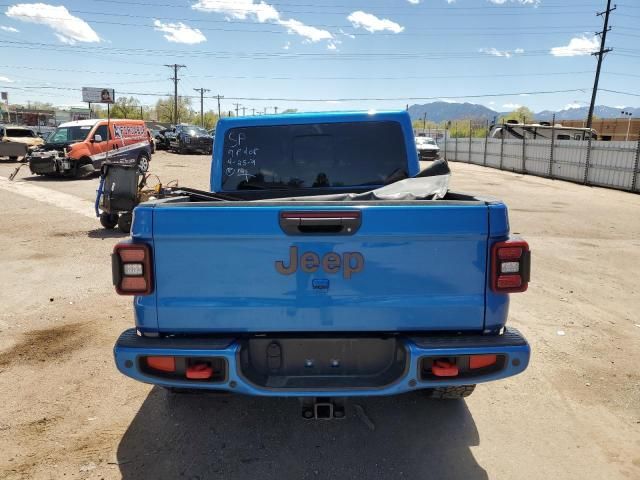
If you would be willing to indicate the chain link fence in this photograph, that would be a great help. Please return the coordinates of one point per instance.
(598, 163)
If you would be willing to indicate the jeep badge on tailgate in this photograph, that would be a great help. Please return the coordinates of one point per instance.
(350, 263)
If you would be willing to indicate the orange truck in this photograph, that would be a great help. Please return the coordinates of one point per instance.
(79, 148)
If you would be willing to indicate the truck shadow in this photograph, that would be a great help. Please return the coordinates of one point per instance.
(105, 233)
(204, 436)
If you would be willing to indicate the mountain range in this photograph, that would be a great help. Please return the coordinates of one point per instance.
(441, 111)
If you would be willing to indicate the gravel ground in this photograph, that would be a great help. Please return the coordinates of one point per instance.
(67, 413)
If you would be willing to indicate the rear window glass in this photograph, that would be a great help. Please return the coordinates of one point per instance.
(19, 133)
(318, 155)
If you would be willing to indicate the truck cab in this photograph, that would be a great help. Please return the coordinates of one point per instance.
(323, 263)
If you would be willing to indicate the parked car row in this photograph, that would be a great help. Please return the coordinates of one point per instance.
(184, 138)
(17, 141)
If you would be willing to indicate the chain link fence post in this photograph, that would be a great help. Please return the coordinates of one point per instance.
(456, 136)
(586, 163)
(502, 146)
(469, 158)
(523, 168)
(553, 141)
(486, 140)
(636, 165)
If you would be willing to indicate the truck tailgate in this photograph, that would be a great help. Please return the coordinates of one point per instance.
(229, 267)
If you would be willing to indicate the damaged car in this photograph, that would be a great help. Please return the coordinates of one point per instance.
(16, 141)
(79, 148)
(189, 138)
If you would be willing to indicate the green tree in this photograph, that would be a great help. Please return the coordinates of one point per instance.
(165, 106)
(521, 114)
(210, 119)
(126, 107)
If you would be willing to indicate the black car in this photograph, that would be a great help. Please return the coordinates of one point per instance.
(189, 138)
(160, 136)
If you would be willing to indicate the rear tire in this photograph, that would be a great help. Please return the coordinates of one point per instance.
(450, 393)
(13, 159)
(143, 163)
(124, 222)
(109, 220)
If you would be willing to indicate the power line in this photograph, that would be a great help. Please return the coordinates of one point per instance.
(289, 77)
(621, 93)
(410, 11)
(279, 99)
(175, 67)
(489, 32)
(282, 55)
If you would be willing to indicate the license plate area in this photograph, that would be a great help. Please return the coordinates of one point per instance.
(322, 362)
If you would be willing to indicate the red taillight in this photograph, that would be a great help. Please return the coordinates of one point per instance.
(481, 361)
(131, 268)
(510, 266)
(199, 371)
(162, 364)
(444, 368)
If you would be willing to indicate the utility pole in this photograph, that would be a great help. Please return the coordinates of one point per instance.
(253, 112)
(202, 90)
(175, 67)
(275, 109)
(141, 113)
(219, 97)
(424, 123)
(600, 54)
(237, 109)
(244, 111)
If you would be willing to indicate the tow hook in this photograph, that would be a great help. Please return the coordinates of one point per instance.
(322, 408)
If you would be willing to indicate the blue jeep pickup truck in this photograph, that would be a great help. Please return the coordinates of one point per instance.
(295, 277)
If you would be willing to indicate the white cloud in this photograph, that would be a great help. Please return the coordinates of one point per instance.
(449, 100)
(5, 79)
(414, 2)
(569, 106)
(492, 103)
(619, 106)
(179, 32)
(535, 3)
(9, 29)
(372, 24)
(512, 106)
(261, 12)
(577, 46)
(287, 46)
(501, 53)
(67, 28)
(312, 34)
(241, 9)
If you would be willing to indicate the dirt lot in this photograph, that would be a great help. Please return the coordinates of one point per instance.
(67, 413)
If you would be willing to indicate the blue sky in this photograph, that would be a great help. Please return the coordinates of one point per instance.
(334, 51)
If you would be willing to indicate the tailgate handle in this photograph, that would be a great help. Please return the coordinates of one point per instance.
(320, 223)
